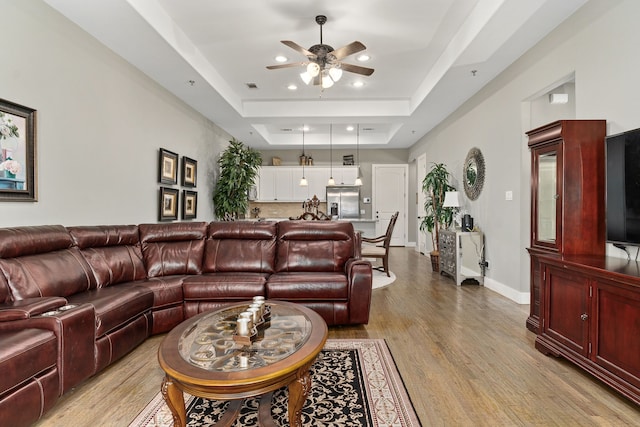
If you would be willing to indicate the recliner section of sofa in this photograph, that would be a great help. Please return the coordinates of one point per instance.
(93, 293)
(317, 267)
(239, 258)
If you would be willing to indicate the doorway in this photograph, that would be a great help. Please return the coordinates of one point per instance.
(390, 186)
(421, 167)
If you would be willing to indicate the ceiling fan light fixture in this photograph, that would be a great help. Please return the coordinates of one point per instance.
(327, 81)
(313, 69)
(335, 73)
(306, 78)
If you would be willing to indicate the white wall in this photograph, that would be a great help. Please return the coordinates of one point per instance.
(598, 44)
(100, 123)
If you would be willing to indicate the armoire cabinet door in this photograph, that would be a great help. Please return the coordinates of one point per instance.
(617, 328)
(547, 195)
(566, 308)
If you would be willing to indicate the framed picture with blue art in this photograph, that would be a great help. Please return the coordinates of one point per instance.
(17, 152)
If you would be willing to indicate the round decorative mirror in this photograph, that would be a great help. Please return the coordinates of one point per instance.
(473, 173)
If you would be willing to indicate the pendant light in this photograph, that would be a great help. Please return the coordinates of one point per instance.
(331, 180)
(358, 179)
(303, 180)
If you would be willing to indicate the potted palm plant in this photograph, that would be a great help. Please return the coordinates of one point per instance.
(435, 184)
(238, 170)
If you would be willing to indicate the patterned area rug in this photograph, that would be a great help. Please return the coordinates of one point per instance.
(354, 383)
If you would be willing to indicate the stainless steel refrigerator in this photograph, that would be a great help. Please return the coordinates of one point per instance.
(343, 201)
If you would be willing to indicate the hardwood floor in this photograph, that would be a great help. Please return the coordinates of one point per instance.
(464, 353)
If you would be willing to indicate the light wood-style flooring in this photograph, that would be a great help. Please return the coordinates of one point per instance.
(464, 353)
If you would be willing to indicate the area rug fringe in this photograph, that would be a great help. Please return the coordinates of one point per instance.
(387, 399)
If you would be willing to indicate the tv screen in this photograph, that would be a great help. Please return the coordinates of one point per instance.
(623, 187)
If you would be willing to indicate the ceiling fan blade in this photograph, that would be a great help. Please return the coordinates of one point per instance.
(291, 65)
(295, 46)
(357, 69)
(347, 50)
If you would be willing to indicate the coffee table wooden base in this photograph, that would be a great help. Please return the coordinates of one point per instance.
(298, 393)
(299, 332)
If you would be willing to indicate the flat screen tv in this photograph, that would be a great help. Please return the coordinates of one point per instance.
(623, 187)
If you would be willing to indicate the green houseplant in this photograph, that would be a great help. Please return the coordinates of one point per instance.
(435, 184)
(238, 170)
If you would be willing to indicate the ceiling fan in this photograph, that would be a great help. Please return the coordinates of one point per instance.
(324, 66)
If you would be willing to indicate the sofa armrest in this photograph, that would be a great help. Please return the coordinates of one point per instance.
(29, 307)
(360, 279)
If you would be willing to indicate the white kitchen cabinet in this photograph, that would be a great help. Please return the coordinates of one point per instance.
(282, 183)
(318, 177)
(275, 184)
(345, 175)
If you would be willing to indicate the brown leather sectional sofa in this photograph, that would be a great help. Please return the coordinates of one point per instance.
(74, 300)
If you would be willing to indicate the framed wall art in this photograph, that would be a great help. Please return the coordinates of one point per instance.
(168, 167)
(17, 152)
(189, 204)
(189, 172)
(168, 208)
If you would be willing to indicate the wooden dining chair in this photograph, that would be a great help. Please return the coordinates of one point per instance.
(382, 252)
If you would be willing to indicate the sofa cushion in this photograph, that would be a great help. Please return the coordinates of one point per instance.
(113, 252)
(115, 305)
(167, 291)
(24, 354)
(172, 249)
(57, 273)
(314, 246)
(319, 286)
(21, 241)
(224, 286)
(244, 246)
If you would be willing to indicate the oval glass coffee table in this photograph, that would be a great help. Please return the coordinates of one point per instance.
(200, 357)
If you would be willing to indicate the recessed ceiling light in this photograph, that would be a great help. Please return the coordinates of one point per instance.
(305, 128)
(281, 58)
(363, 57)
(292, 87)
(357, 83)
(350, 128)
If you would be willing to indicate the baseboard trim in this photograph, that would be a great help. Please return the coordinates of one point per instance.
(504, 290)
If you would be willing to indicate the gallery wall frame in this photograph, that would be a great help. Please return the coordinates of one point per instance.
(167, 167)
(189, 204)
(189, 172)
(168, 204)
(18, 174)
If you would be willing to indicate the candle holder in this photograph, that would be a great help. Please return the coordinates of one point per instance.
(263, 321)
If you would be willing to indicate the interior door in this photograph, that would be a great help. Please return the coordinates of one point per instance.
(390, 186)
(420, 199)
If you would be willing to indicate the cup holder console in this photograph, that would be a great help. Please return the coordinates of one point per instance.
(59, 310)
